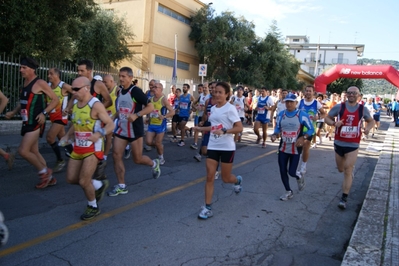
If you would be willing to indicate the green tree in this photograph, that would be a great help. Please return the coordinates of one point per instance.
(104, 39)
(342, 84)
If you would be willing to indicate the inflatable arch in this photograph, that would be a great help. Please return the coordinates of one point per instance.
(387, 72)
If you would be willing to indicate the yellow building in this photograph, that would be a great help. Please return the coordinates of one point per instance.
(155, 24)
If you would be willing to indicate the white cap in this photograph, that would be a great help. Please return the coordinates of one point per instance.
(98, 77)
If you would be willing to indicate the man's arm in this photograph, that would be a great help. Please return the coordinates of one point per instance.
(100, 113)
(168, 107)
(100, 88)
(46, 89)
(3, 102)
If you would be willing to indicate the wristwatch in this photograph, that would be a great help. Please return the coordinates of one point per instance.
(224, 130)
(138, 114)
(44, 112)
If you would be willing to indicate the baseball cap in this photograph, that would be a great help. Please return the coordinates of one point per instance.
(98, 77)
(290, 97)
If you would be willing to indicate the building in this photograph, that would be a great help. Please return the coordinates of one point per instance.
(317, 57)
(155, 25)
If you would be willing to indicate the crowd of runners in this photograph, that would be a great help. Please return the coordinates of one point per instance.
(103, 114)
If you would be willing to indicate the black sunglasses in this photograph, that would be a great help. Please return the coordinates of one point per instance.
(77, 88)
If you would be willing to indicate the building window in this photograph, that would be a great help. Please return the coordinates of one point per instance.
(295, 40)
(169, 62)
(173, 14)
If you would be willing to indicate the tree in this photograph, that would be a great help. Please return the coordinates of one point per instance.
(342, 84)
(104, 39)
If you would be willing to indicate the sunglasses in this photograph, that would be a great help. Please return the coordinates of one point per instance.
(77, 88)
(351, 93)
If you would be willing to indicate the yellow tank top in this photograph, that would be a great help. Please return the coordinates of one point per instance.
(112, 109)
(154, 115)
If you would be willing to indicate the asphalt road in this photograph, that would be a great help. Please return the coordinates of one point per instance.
(156, 222)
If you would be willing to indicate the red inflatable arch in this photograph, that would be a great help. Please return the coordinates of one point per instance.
(356, 71)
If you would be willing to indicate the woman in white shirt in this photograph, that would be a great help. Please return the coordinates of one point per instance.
(225, 122)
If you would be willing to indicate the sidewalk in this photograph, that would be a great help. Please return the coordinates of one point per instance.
(375, 239)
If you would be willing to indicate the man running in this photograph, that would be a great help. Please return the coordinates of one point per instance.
(240, 103)
(347, 137)
(8, 156)
(130, 129)
(200, 106)
(88, 115)
(264, 107)
(311, 106)
(57, 116)
(33, 111)
(157, 120)
(185, 101)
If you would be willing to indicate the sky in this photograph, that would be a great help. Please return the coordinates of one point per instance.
(374, 24)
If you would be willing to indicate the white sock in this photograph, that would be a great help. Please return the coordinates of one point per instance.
(44, 170)
(122, 185)
(154, 164)
(92, 203)
(105, 157)
(97, 184)
(303, 164)
(160, 156)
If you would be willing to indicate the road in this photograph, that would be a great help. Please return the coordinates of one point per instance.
(156, 222)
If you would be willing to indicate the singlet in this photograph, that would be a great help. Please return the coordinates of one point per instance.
(280, 107)
(290, 130)
(56, 113)
(311, 110)
(239, 105)
(371, 107)
(184, 105)
(111, 110)
(350, 131)
(159, 108)
(31, 104)
(93, 92)
(171, 99)
(126, 106)
(85, 126)
(263, 113)
(201, 104)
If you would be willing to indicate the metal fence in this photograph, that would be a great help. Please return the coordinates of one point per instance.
(11, 81)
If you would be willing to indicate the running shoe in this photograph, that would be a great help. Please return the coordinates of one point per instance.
(117, 190)
(288, 195)
(303, 169)
(258, 140)
(198, 157)
(162, 161)
(90, 213)
(194, 146)
(127, 154)
(342, 204)
(301, 183)
(314, 145)
(99, 173)
(181, 143)
(147, 148)
(45, 179)
(59, 166)
(238, 185)
(217, 175)
(52, 182)
(263, 145)
(205, 213)
(3, 231)
(156, 171)
(10, 160)
(174, 139)
(101, 191)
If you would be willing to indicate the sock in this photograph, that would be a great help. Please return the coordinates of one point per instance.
(200, 152)
(122, 185)
(105, 157)
(344, 197)
(92, 203)
(160, 156)
(154, 164)
(208, 206)
(6, 156)
(97, 184)
(303, 164)
(56, 150)
(44, 170)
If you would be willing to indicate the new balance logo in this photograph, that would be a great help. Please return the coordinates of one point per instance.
(345, 71)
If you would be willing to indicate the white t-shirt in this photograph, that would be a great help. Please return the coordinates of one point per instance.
(201, 104)
(223, 117)
(240, 106)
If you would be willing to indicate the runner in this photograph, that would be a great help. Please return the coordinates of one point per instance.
(347, 137)
(334, 99)
(88, 114)
(319, 123)
(175, 118)
(224, 122)
(311, 107)
(240, 103)
(185, 101)
(8, 156)
(200, 107)
(130, 129)
(149, 93)
(279, 105)
(57, 116)
(33, 111)
(157, 121)
(290, 126)
(264, 107)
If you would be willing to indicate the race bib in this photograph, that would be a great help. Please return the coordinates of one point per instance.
(183, 105)
(24, 115)
(81, 139)
(238, 107)
(154, 114)
(124, 112)
(349, 132)
(289, 136)
(200, 107)
(261, 110)
(215, 128)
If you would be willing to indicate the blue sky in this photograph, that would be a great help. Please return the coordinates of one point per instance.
(374, 24)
